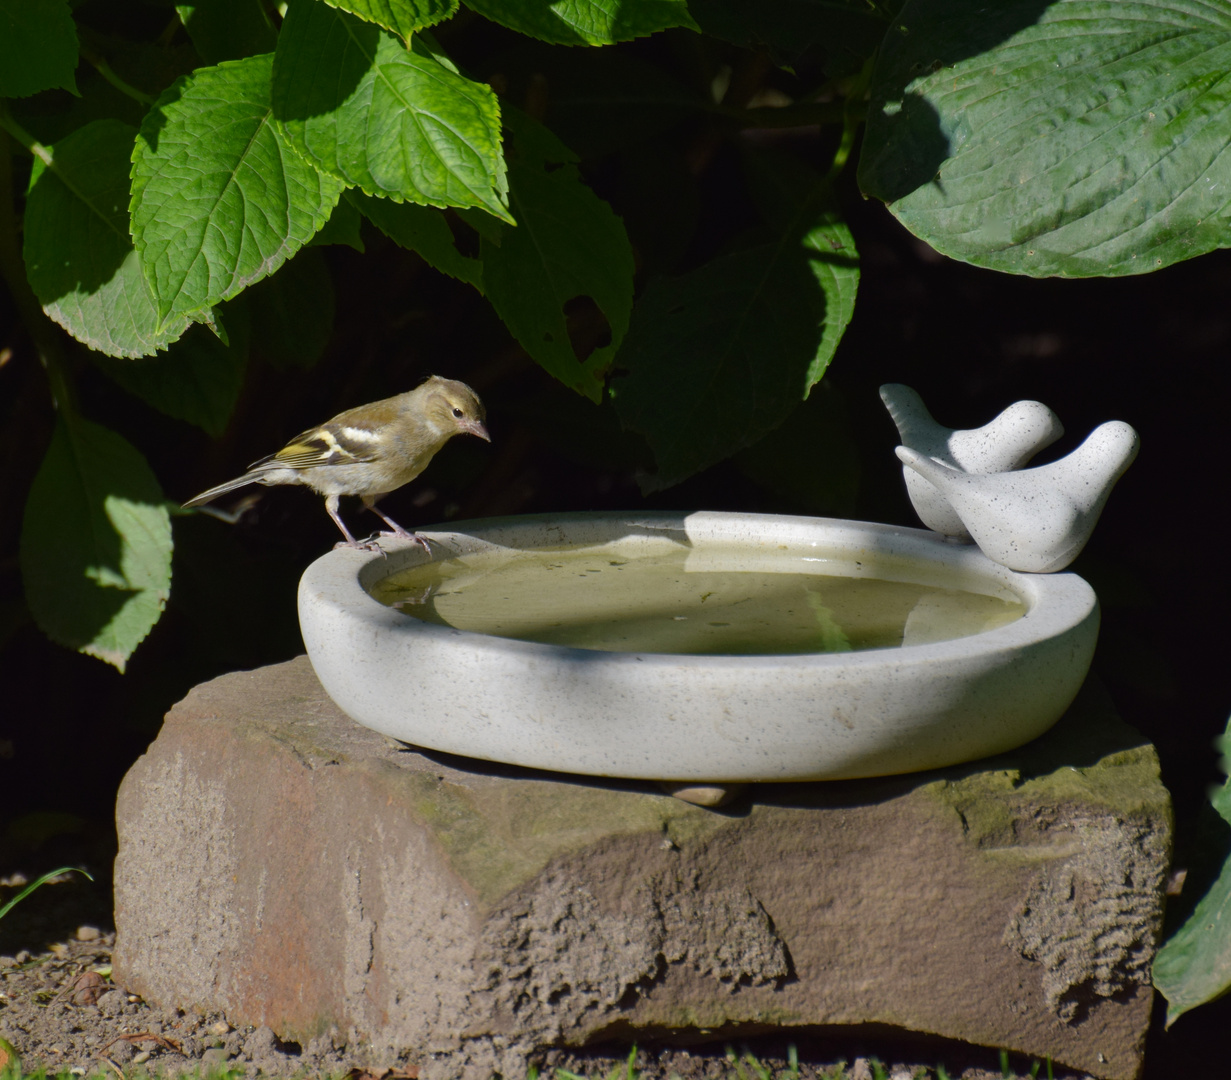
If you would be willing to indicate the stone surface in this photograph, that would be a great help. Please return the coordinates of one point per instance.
(294, 870)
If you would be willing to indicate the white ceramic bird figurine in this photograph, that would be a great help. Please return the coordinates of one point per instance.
(1008, 442)
(1035, 520)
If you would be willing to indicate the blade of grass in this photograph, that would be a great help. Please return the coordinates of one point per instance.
(35, 884)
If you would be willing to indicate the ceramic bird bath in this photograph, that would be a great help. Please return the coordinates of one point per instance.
(708, 650)
(924, 700)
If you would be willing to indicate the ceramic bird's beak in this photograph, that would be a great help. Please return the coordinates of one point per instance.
(475, 427)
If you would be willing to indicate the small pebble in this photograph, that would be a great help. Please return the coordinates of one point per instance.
(88, 933)
(220, 1028)
(22, 957)
(141, 1058)
(111, 1003)
(213, 1059)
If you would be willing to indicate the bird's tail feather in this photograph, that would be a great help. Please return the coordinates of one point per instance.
(221, 489)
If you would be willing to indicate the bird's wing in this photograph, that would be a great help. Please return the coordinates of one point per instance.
(329, 444)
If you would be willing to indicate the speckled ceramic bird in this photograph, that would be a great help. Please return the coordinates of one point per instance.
(1007, 442)
(1036, 520)
(370, 451)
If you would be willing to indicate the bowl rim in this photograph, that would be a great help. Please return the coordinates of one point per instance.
(1055, 603)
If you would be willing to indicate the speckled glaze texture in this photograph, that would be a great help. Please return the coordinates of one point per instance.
(1035, 521)
(701, 718)
(1008, 442)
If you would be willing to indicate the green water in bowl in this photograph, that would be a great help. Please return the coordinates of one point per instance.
(708, 601)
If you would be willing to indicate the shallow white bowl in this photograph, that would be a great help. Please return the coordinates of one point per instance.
(718, 719)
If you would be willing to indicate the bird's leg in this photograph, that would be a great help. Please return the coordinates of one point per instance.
(331, 504)
(369, 503)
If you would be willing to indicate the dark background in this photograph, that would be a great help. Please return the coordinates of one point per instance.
(1151, 350)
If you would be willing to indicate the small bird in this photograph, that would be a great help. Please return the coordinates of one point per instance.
(1036, 520)
(1007, 442)
(370, 451)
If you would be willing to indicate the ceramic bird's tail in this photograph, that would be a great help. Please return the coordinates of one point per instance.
(914, 423)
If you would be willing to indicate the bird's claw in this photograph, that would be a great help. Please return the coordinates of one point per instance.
(404, 535)
(370, 544)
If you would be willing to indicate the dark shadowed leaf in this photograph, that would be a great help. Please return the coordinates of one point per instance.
(79, 257)
(95, 543)
(586, 22)
(198, 379)
(568, 244)
(38, 47)
(846, 31)
(718, 358)
(343, 227)
(228, 29)
(423, 230)
(292, 312)
(1194, 965)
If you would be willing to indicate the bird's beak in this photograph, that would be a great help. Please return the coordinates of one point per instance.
(475, 427)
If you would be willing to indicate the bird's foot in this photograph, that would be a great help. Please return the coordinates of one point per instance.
(370, 544)
(402, 534)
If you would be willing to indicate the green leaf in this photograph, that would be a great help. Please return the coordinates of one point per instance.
(95, 543)
(393, 121)
(292, 312)
(343, 227)
(1074, 138)
(38, 47)
(568, 244)
(403, 17)
(718, 358)
(228, 29)
(423, 230)
(79, 257)
(811, 459)
(199, 378)
(586, 22)
(219, 197)
(1194, 965)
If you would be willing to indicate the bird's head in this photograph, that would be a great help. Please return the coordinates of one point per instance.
(453, 408)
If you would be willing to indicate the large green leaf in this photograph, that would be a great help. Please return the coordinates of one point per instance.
(228, 29)
(423, 230)
(403, 17)
(79, 257)
(1194, 965)
(586, 22)
(568, 244)
(1072, 138)
(95, 543)
(718, 358)
(395, 122)
(219, 197)
(38, 47)
(199, 378)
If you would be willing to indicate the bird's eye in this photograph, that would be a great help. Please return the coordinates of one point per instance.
(458, 413)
